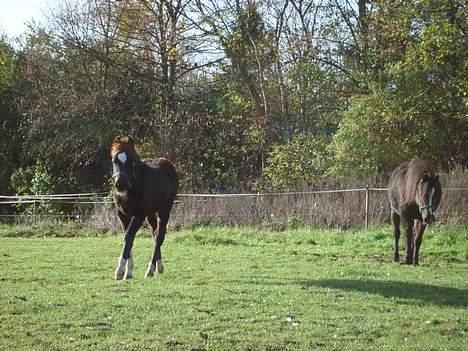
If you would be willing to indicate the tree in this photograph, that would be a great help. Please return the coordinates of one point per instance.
(9, 114)
(415, 107)
(64, 112)
(247, 43)
(231, 90)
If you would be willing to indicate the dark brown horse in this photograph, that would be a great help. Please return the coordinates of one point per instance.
(142, 189)
(414, 192)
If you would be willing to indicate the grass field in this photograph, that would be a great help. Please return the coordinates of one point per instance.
(232, 289)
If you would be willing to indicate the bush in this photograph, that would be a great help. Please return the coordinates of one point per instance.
(35, 180)
(292, 165)
(367, 141)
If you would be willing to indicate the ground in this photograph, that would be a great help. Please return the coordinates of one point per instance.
(232, 289)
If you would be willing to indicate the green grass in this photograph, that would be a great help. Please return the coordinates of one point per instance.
(232, 289)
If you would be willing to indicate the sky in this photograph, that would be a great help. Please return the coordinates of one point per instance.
(15, 13)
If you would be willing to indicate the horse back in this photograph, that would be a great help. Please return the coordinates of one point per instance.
(397, 186)
(167, 167)
(159, 183)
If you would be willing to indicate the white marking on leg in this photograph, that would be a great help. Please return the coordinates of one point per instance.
(129, 271)
(159, 266)
(150, 271)
(120, 271)
(122, 157)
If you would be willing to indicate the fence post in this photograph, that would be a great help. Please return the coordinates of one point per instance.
(366, 213)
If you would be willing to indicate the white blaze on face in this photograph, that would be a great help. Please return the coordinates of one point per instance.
(122, 157)
(430, 199)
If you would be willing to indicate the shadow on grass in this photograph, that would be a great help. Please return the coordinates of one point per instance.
(432, 294)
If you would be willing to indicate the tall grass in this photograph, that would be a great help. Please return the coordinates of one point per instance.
(280, 211)
(323, 210)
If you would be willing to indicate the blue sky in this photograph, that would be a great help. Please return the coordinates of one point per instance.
(15, 13)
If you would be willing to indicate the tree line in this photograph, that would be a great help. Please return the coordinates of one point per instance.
(242, 95)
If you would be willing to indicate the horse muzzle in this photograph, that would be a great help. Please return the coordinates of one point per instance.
(426, 214)
(428, 220)
(121, 181)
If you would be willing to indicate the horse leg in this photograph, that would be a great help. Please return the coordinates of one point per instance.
(408, 225)
(418, 232)
(129, 270)
(396, 235)
(159, 235)
(132, 228)
(153, 222)
(125, 222)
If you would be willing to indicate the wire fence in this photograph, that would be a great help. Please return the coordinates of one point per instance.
(343, 208)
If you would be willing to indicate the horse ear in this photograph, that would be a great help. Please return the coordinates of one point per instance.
(131, 141)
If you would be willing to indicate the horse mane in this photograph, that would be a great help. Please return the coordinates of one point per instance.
(124, 143)
(416, 169)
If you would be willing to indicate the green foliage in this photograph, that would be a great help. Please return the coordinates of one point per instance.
(147, 148)
(314, 106)
(226, 149)
(233, 103)
(381, 83)
(7, 65)
(293, 165)
(248, 46)
(367, 141)
(9, 116)
(34, 180)
(415, 104)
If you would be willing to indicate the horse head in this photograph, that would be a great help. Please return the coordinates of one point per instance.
(425, 195)
(124, 162)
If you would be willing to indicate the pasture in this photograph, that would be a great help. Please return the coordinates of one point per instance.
(232, 288)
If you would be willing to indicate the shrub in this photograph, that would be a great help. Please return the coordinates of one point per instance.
(291, 165)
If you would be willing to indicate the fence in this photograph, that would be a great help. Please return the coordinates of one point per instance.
(343, 208)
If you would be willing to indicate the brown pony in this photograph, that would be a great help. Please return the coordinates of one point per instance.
(414, 192)
(142, 189)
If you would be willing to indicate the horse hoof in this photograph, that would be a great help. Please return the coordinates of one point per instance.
(149, 275)
(150, 271)
(128, 276)
(159, 266)
(118, 275)
(120, 270)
